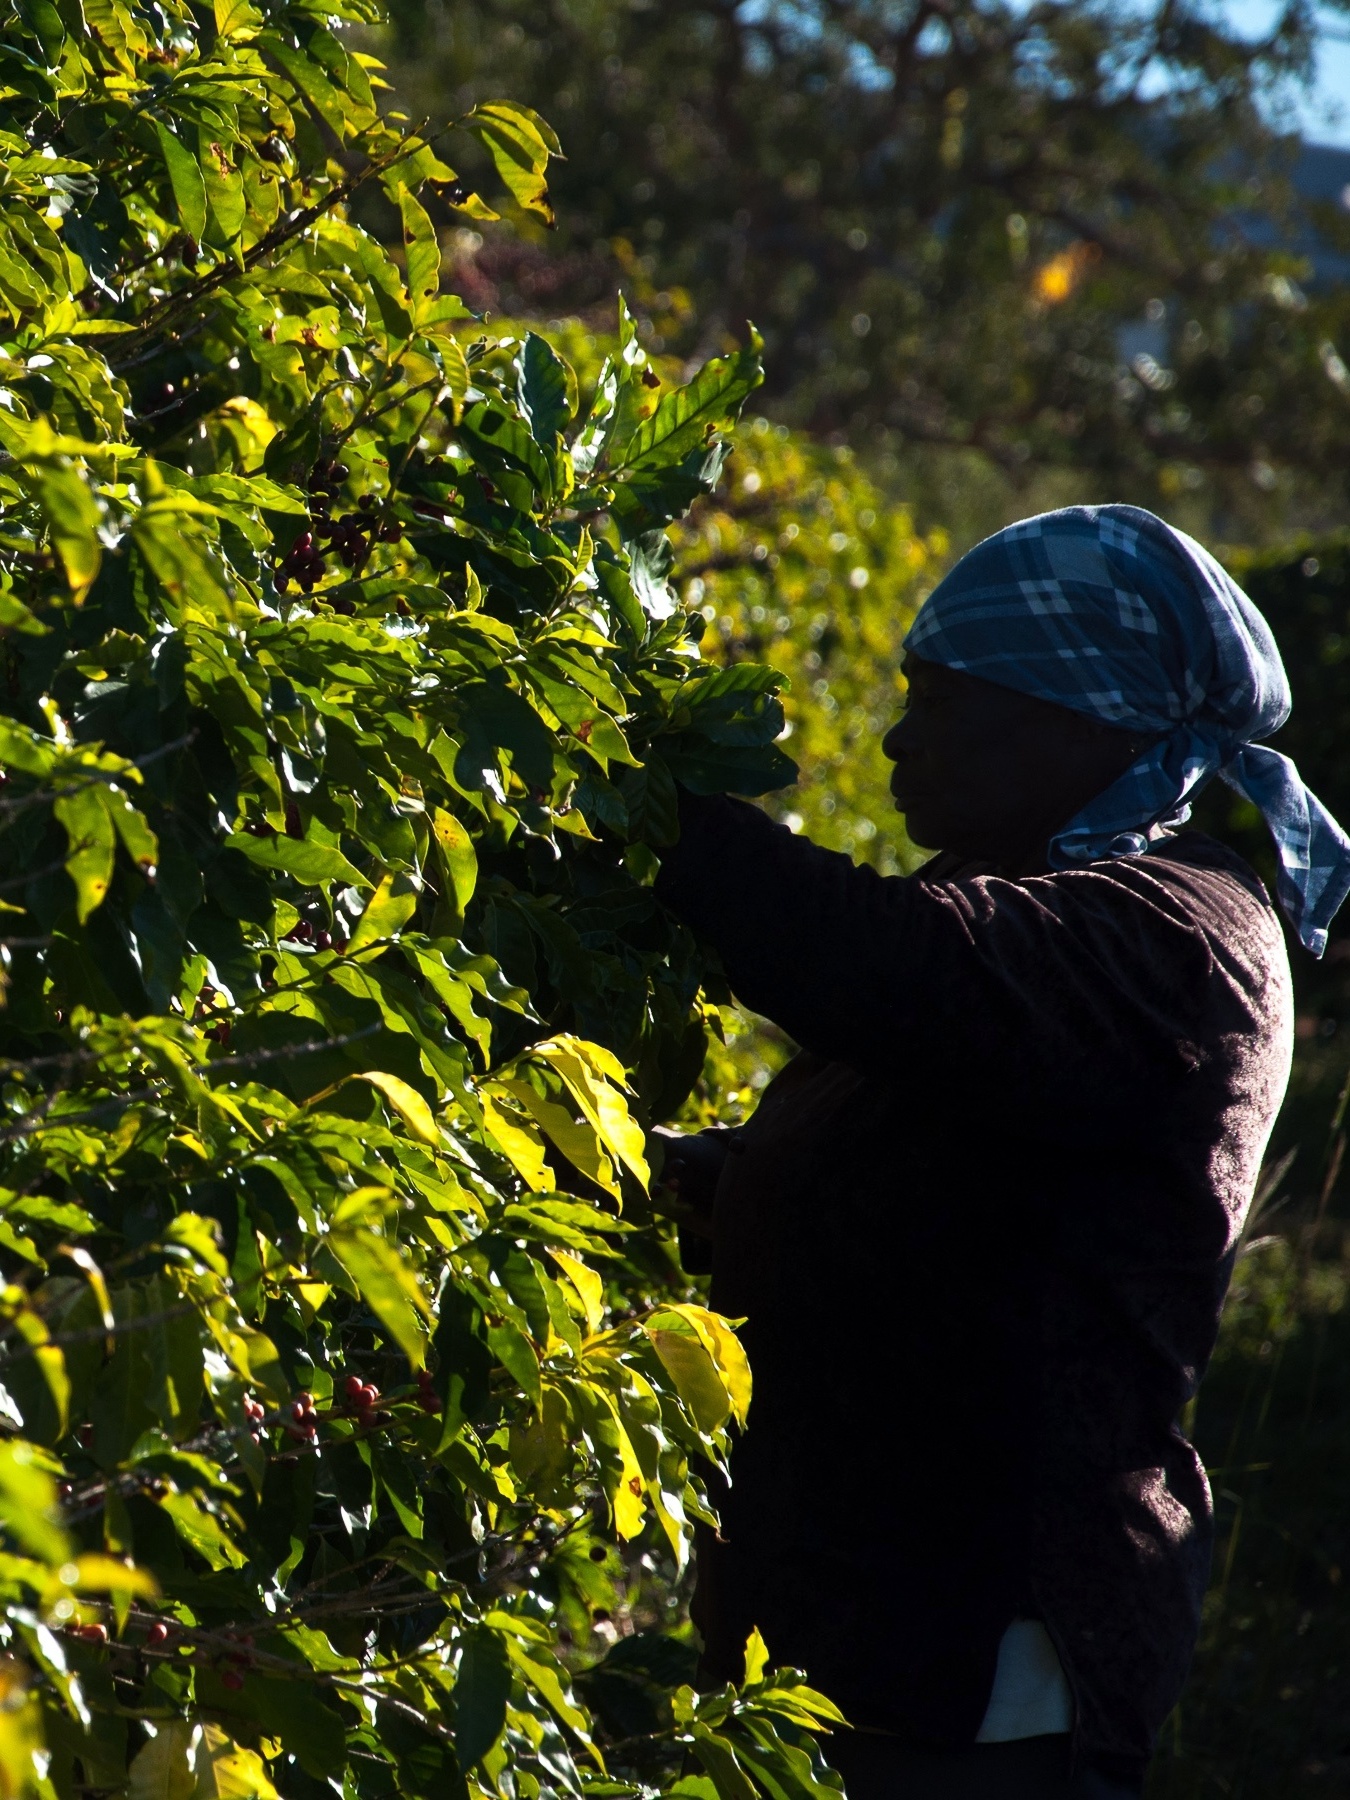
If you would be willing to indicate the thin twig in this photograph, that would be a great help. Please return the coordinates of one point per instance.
(43, 796)
(216, 1065)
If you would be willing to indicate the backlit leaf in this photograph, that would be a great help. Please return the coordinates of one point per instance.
(72, 520)
(457, 853)
(422, 252)
(385, 913)
(162, 1768)
(408, 1104)
(387, 1286)
(514, 138)
(91, 837)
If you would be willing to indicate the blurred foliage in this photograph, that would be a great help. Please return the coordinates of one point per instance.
(1303, 588)
(801, 562)
(1266, 1711)
(350, 1381)
(1017, 254)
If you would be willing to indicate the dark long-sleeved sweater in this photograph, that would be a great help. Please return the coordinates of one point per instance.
(980, 1230)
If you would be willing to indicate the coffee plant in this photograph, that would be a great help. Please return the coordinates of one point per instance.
(349, 1372)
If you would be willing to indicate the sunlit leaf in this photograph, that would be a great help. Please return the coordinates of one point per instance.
(514, 138)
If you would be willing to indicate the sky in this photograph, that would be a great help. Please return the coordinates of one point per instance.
(1332, 91)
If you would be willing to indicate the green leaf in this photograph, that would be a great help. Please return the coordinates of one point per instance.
(44, 21)
(686, 419)
(499, 719)
(310, 863)
(457, 857)
(15, 616)
(29, 1507)
(72, 517)
(498, 431)
(92, 841)
(653, 805)
(708, 768)
(718, 1756)
(224, 186)
(343, 114)
(546, 390)
(482, 1689)
(185, 178)
(311, 1731)
(174, 546)
(387, 1286)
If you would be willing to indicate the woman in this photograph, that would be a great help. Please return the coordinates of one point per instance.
(982, 1226)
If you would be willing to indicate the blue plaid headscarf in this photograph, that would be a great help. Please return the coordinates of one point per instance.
(1109, 611)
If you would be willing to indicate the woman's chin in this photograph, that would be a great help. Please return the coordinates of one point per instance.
(921, 827)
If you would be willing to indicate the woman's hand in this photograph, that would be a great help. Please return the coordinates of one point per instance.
(691, 1164)
(686, 1184)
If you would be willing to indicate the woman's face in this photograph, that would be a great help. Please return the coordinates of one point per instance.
(992, 774)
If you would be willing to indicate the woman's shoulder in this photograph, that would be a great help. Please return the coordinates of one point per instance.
(1217, 879)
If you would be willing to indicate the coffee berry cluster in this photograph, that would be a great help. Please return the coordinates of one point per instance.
(350, 538)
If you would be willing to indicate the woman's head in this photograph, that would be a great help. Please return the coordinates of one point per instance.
(990, 773)
(1079, 677)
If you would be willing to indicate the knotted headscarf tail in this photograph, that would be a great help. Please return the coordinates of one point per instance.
(1110, 611)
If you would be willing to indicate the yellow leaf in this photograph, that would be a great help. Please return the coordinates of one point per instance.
(756, 1657)
(688, 1362)
(226, 1770)
(235, 15)
(386, 912)
(588, 1284)
(514, 137)
(629, 1504)
(521, 1146)
(408, 1104)
(577, 1141)
(106, 1575)
(726, 1350)
(162, 1769)
(590, 1072)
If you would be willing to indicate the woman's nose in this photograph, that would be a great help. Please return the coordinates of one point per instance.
(897, 740)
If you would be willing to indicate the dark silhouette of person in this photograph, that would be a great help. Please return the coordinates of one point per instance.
(981, 1227)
